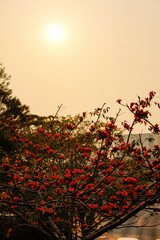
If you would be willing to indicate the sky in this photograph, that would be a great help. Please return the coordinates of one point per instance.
(110, 50)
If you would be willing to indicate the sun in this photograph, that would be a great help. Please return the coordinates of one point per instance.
(55, 33)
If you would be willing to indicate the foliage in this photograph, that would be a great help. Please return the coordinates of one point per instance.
(10, 107)
(77, 179)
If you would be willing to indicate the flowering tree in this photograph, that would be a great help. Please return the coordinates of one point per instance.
(79, 179)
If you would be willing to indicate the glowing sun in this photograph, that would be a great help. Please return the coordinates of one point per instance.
(55, 33)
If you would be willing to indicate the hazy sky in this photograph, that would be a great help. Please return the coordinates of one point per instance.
(111, 50)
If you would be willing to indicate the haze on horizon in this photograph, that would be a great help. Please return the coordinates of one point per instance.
(110, 49)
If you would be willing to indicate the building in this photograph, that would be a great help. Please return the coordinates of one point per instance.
(148, 139)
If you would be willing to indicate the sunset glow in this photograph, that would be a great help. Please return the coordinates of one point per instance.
(55, 33)
(80, 53)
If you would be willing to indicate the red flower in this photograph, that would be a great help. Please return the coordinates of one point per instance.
(14, 206)
(56, 135)
(40, 130)
(38, 160)
(70, 127)
(6, 166)
(68, 175)
(58, 190)
(85, 225)
(91, 128)
(119, 101)
(42, 187)
(16, 199)
(151, 95)
(80, 119)
(93, 206)
(154, 128)
(48, 212)
(50, 198)
(54, 168)
(5, 196)
(105, 208)
(71, 189)
(124, 193)
(126, 126)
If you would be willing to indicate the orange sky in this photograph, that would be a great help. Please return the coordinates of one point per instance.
(111, 50)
